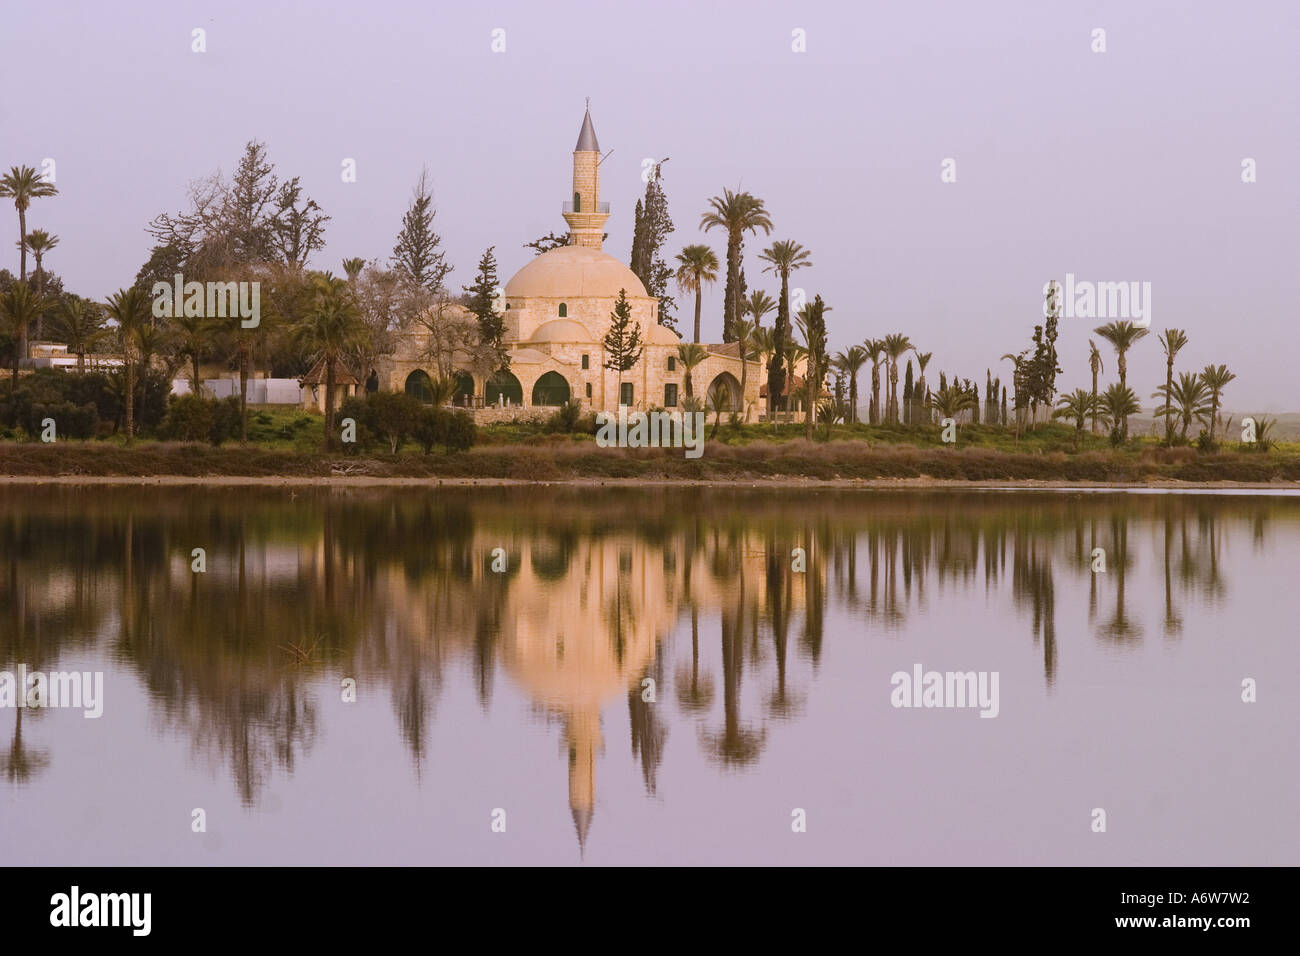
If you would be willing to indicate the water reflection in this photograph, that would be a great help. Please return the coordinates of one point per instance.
(580, 600)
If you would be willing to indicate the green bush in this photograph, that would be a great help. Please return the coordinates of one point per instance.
(393, 416)
(189, 418)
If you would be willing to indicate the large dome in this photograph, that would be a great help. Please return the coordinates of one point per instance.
(574, 271)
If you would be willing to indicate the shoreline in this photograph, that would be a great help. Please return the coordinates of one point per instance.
(866, 484)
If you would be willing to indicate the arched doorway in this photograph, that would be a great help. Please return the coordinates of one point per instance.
(504, 388)
(419, 385)
(551, 389)
(464, 389)
(724, 393)
(372, 382)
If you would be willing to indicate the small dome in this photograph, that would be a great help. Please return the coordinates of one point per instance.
(574, 271)
(662, 335)
(561, 330)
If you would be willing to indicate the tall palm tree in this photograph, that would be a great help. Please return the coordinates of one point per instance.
(22, 184)
(1077, 405)
(332, 325)
(40, 242)
(1094, 363)
(1172, 341)
(690, 355)
(922, 360)
(875, 349)
(736, 214)
(782, 258)
(896, 345)
(18, 308)
(129, 308)
(82, 325)
(697, 266)
(1185, 400)
(1122, 335)
(814, 337)
(850, 361)
(1216, 378)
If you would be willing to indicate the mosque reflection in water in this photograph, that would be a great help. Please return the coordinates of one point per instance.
(608, 600)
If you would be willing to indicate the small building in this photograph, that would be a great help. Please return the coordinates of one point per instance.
(313, 386)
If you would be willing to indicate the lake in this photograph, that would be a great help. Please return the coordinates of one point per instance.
(550, 675)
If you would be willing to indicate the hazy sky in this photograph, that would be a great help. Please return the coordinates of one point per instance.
(1115, 166)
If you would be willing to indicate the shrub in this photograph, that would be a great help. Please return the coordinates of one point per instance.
(454, 431)
(462, 434)
(565, 419)
(392, 416)
(188, 418)
(225, 420)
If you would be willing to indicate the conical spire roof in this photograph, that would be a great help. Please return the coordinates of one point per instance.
(587, 138)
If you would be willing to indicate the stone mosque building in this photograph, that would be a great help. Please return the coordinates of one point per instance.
(557, 311)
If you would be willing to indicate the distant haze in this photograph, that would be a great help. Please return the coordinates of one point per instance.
(1116, 166)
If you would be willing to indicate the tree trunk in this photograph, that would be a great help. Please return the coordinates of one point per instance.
(329, 405)
(243, 394)
(195, 383)
(1094, 401)
(1169, 388)
(22, 277)
(699, 302)
(130, 394)
(1123, 383)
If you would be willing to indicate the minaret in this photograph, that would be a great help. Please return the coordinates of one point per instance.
(585, 213)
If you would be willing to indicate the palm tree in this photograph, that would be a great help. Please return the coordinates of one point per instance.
(690, 355)
(896, 345)
(1077, 405)
(331, 326)
(1186, 399)
(1172, 341)
(815, 346)
(40, 242)
(82, 325)
(191, 339)
(1094, 363)
(18, 308)
(697, 266)
(782, 258)
(952, 401)
(922, 360)
(441, 390)
(1216, 378)
(129, 308)
(875, 349)
(1119, 402)
(745, 331)
(1122, 335)
(352, 268)
(736, 214)
(22, 184)
(756, 306)
(850, 362)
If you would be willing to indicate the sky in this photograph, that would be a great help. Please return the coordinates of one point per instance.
(1117, 166)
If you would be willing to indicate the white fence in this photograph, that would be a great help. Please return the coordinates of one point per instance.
(261, 391)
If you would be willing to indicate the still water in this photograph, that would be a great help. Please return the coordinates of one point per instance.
(654, 676)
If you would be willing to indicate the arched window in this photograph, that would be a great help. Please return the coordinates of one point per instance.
(577, 203)
(551, 389)
(564, 311)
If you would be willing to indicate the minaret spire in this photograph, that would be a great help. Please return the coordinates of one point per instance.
(585, 213)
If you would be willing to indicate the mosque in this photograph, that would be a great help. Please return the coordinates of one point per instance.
(558, 309)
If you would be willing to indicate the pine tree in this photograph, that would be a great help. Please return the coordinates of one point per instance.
(651, 227)
(418, 257)
(622, 342)
(907, 395)
(1004, 406)
(483, 294)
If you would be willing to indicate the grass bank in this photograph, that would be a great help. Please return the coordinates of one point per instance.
(559, 458)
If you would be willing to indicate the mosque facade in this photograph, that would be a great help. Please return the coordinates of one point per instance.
(557, 311)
